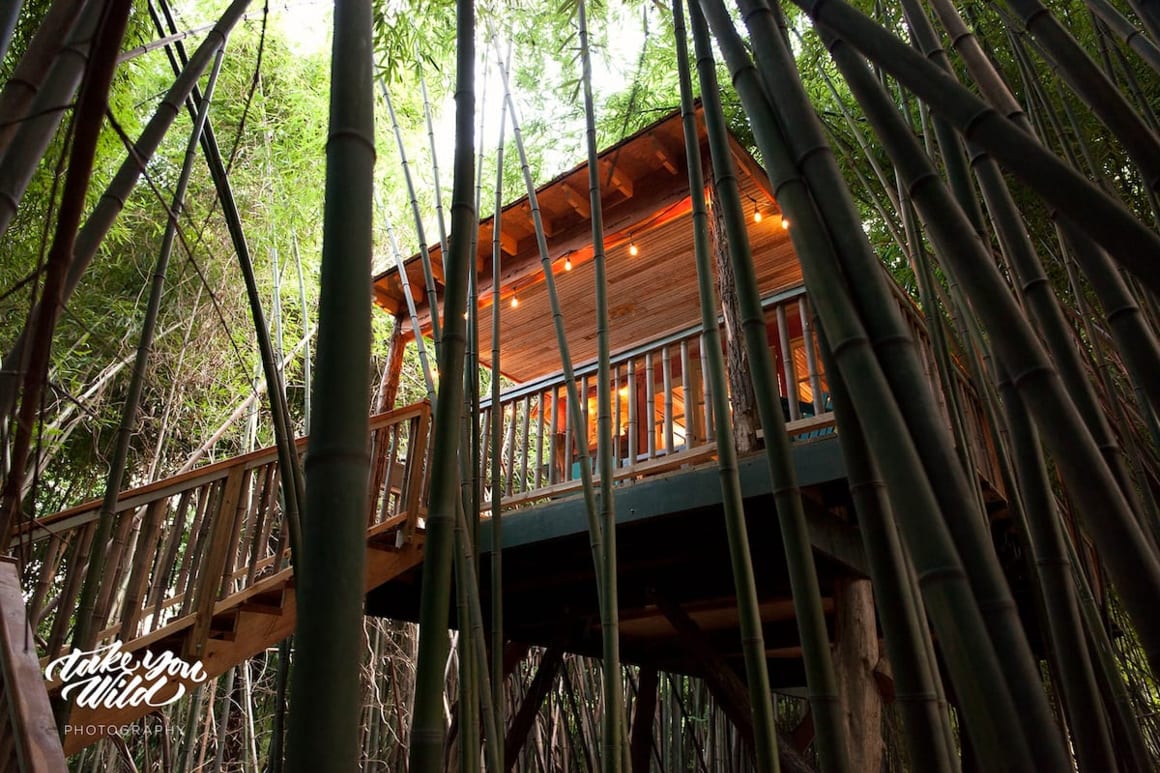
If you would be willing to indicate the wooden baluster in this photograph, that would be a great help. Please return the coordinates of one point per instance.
(584, 433)
(525, 444)
(393, 437)
(485, 446)
(257, 538)
(261, 542)
(809, 341)
(509, 442)
(191, 560)
(667, 370)
(143, 562)
(69, 595)
(691, 430)
(128, 524)
(540, 440)
(614, 389)
(706, 392)
(54, 552)
(250, 503)
(650, 411)
(223, 524)
(791, 390)
(633, 413)
(416, 472)
(553, 455)
(569, 429)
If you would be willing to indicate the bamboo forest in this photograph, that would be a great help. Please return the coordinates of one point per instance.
(674, 386)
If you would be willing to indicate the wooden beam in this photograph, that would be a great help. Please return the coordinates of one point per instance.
(522, 723)
(663, 153)
(619, 181)
(576, 200)
(643, 713)
(508, 243)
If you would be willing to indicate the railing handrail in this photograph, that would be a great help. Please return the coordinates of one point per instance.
(78, 515)
(624, 355)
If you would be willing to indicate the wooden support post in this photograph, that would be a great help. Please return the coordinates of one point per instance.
(522, 723)
(389, 389)
(856, 659)
(788, 368)
(36, 746)
(210, 575)
(741, 396)
(644, 712)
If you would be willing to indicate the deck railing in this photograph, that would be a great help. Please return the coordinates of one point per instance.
(183, 545)
(661, 408)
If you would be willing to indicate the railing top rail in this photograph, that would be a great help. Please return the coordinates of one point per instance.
(81, 514)
(590, 367)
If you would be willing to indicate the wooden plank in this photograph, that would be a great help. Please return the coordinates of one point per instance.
(38, 747)
(210, 576)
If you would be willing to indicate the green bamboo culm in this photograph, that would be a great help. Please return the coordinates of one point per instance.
(612, 746)
(427, 731)
(424, 253)
(903, 622)
(91, 616)
(822, 683)
(972, 662)
(764, 726)
(1131, 562)
(496, 429)
(325, 713)
(595, 528)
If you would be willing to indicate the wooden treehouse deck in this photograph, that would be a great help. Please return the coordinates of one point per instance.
(198, 564)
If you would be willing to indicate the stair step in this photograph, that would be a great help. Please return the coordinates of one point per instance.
(270, 603)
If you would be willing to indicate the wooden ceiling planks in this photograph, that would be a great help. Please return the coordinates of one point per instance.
(650, 294)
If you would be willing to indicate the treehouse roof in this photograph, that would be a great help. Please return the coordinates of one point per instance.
(645, 202)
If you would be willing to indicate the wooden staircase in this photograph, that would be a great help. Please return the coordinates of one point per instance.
(198, 564)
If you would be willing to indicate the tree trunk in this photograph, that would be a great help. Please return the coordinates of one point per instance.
(855, 658)
(741, 396)
(389, 389)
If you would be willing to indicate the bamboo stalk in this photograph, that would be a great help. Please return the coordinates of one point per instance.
(613, 741)
(427, 730)
(945, 583)
(752, 638)
(87, 623)
(330, 573)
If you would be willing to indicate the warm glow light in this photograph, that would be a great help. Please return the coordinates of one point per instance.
(785, 223)
(633, 250)
(567, 264)
(515, 301)
(757, 215)
(624, 391)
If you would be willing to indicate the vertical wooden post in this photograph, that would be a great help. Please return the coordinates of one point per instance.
(741, 395)
(210, 576)
(787, 364)
(645, 709)
(855, 659)
(811, 357)
(389, 389)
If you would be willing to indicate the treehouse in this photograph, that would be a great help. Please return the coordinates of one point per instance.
(199, 564)
(678, 610)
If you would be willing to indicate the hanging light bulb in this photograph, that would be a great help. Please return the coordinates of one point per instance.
(567, 264)
(785, 223)
(756, 213)
(515, 301)
(633, 250)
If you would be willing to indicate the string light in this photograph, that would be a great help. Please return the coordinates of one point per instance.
(757, 216)
(633, 250)
(515, 301)
(785, 222)
(567, 264)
